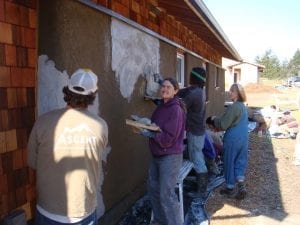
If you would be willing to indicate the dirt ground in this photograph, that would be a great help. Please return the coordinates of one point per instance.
(260, 95)
(273, 182)
(273, 185)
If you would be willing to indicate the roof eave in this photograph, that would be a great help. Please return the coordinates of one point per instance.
(198, 6)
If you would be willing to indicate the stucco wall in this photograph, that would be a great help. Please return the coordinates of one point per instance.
(72, 35)
(215, 96)
(124, 60)
(65, 43)
(190, 62)
(215, 90)
(249, 74)
(168, 55)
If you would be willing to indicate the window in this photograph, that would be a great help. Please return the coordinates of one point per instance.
(180, 69)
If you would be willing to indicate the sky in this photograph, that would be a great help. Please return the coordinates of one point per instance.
(255, 26)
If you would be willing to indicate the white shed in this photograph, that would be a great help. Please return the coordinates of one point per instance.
(241, 72)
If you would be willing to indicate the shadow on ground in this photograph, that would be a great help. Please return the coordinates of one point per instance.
(262, 182)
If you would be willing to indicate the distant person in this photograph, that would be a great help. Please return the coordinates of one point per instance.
(268, 111)
(167, 151)
(194, 98)
(64, 148)
(283, 125)
(263, 117)
(234, 122)
(288, 124)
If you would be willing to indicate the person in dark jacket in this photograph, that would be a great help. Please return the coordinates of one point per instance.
(167, 149)
(234, 122)
(194, 98)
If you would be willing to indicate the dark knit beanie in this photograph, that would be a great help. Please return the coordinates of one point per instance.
(200, 73)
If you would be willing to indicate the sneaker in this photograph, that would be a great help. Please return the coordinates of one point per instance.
(241, 194)
(228, 192)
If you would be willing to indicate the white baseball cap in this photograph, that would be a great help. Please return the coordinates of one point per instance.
(83, 82)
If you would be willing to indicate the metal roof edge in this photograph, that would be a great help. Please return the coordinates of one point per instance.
(246, 62)
(200, 8)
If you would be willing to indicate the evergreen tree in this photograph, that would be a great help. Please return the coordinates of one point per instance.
(284, 70)
(294, 64)
(272, 65)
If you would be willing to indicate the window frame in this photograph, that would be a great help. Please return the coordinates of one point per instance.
(180, 74)
(217, 77)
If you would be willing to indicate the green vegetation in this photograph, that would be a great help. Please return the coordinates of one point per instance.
(274, 69)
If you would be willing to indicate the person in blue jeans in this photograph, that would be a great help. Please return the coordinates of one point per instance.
(194, 98)
(234, 122)
(167, 151)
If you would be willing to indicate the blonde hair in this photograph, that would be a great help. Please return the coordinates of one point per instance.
(240, 91)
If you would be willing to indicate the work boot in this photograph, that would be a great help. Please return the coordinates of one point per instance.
(212, 167)
(202, 181)
(241, 194)
(227, 192)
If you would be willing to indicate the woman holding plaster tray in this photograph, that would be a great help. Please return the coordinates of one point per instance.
(166, 148)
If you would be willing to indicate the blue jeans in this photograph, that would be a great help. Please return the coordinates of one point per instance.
(162, 181)
(40, 219)
(195, 146)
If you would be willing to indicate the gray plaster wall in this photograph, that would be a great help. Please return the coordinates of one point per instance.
(167, 60)
(191, 62)
(66, 41)
(215, 95)
(72, 35)
(134, 53)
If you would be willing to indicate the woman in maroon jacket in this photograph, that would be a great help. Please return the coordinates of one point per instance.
(166, 148)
